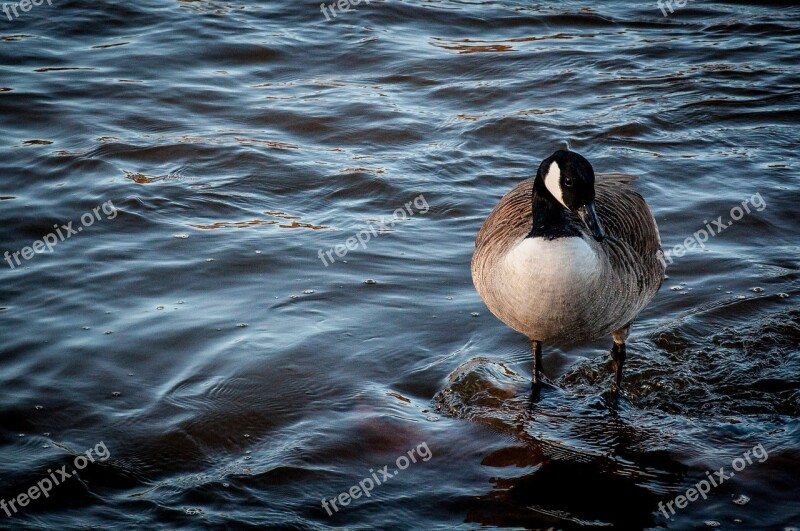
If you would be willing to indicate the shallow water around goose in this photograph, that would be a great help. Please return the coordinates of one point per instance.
(211, 154)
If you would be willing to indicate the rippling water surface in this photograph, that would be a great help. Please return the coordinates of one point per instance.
(211, 153)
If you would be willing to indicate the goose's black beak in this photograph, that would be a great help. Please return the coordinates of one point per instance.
(592, 222)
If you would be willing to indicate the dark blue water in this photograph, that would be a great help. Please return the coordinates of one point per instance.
(211, 154)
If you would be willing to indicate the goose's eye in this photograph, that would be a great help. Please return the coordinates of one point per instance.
(568, 182)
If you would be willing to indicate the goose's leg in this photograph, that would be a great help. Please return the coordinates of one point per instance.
(618, 354)
(538, 372)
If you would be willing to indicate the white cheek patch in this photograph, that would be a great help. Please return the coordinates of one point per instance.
(552, 181)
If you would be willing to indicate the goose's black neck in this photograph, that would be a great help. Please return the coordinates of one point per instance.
(550, 220)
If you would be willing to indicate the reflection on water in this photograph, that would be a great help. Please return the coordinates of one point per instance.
(236, 380)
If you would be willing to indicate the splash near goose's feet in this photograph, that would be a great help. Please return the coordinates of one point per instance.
(539, 388)
(618, 354)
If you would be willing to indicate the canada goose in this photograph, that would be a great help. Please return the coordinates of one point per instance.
(565, 258)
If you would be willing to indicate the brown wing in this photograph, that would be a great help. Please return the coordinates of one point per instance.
(633, 244)
(627, 218)
(509, 222)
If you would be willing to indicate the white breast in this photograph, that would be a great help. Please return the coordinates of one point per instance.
(546, 288)
(562, 260)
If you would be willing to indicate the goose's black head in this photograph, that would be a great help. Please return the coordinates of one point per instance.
(565, 180)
